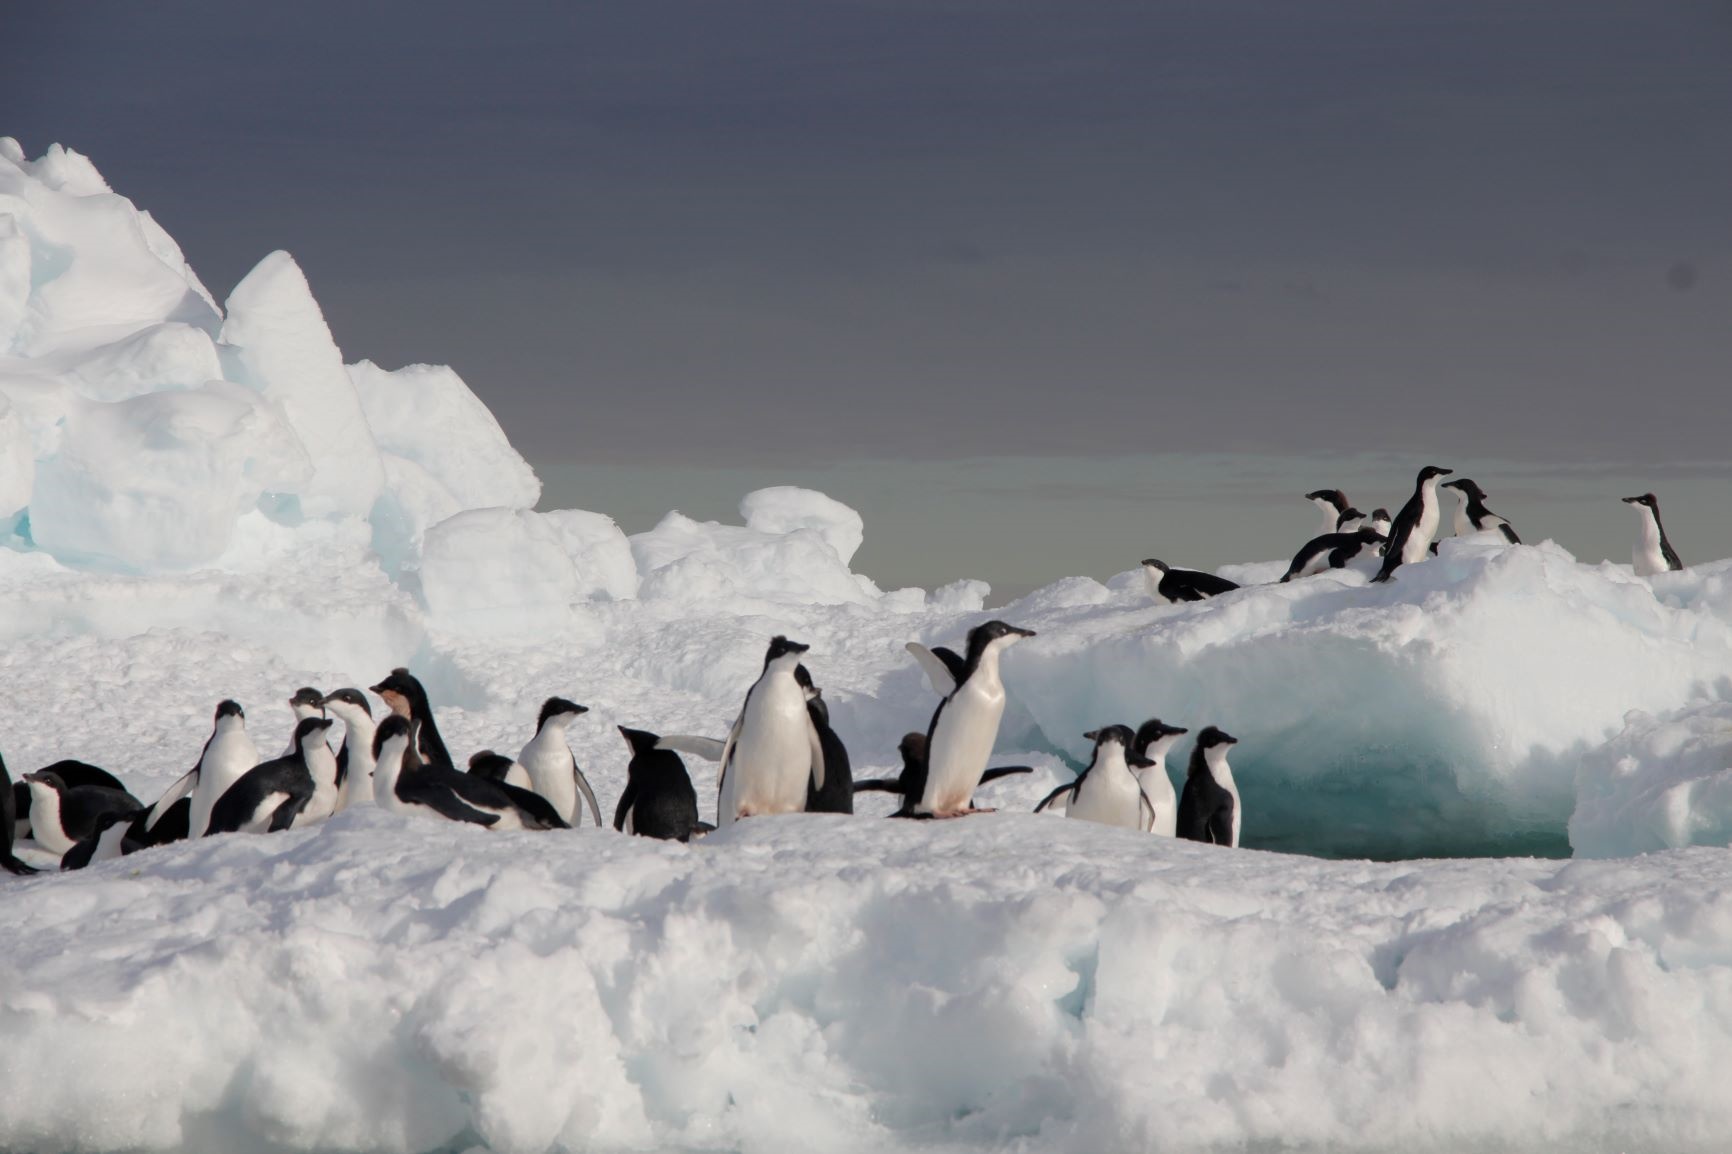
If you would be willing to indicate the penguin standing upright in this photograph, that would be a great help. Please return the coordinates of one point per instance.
(1107, 791)
(658, 800)
(403, 693)
(284, 793)
(1333, 503)
(1471, 515)
(1209, 807)
(837, 795)
(1175, 585)
(1653, 553)
(8, 815)
(355, 755)
(553, 771)
(1411, 533)
(773, 747)
(964, 727)
(910, 783)
(437, 791)
(1148, 758)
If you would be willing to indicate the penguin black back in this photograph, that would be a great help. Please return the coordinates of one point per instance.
(658, 800)
(1208, 810)
(837, 794)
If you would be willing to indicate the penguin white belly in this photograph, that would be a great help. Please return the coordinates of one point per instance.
(260, 821)
(357, 787)
(1648, 557)
(1225, 777)
(45, 824)
(1113, 799)
(230, 755)
(551, 775)
(772, 758)
(1158, 787)
(1417, 547)
(1463, 526)
(961, 745)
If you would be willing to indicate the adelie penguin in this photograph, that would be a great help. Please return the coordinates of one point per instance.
(553, 771)
(114, 835)
(306, 702)
(405, 697)
(960, 737)
(773, 749)
(61, 816)
(71, 771)
(1148, 758)
(1209, 809)
(1107, 791)
(837, 794)
(659, 800)
(910, 784)
(8, 816)
(1333, 551)
(1175, 585)
(355, 755)
(1653, 553)
(1333, 504)
(1414, 527)
(227, 756)
(441, 792)
(284, 793)
(1471, 515)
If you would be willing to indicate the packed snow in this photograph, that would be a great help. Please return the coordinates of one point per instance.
(201, 501)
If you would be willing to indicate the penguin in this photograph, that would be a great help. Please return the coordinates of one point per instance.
(1107, 791)
(964, 727)
(1333, 503)
(1148, 758)
(1332, 551)
(284, 793)
(71, 771)
(228, 755)
(910, 784)
(1176, 585)
(306, 702)
(61, 815)
(497, 767)
(8, 812)
(658, 800)
(1653, 553)
(1410, 536)
(116, 834)
(1351, 519)
(438, 791)
(407, 699)
(553, 771)
(1471, 515)
(1380, 520)
(355, 755)
(837, 796)
(773, 747)
(1209, 806)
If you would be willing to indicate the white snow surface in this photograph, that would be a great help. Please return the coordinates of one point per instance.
(178, 525)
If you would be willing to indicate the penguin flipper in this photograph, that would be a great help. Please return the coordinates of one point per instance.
(531, 805)
(620, 810)
(1509, 534)
(707, 748)
(589, 795)
(999, 771)
(722, 794)
(878, 785)
(1221, 824)
(183, 787)
(816, 744)
(448, 805)
(937, 670)
(1145, 810)
(1067, 787)
(286, 813)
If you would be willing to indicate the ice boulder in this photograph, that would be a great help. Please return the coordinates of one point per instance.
(498, 572)
(1662, 783)
(598, 550)
(797, 563)
(158, 481)
(784, 508)
(17, 466)
(278, 343)
(14, 279)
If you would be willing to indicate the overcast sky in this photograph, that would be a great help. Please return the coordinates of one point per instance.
(736, 235)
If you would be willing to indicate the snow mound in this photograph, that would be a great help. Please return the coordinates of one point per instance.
(781, 509)
(865, 985)
(1661, 783)
(498, 572)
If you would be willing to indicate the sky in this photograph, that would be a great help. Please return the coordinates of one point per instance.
(1145, 251)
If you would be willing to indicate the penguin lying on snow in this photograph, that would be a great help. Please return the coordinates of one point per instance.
(439, 791)
(658, 800)
(773, 748)
(910, 784)
(1332, 551)
(1471, 515)
(8, 811)
(1106, 791)
(1653, 553)
(553, 771)
(1148, 758)
(73, 773)
(1411, 534)
(1209, 806)
(61, 815)
(284, 793)
(114, 835)
(1176, 585)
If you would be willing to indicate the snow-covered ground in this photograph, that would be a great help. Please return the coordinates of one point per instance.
(202, 500)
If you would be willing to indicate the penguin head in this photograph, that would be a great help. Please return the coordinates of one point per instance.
(995, 635)
(399, 691)
(489, 764)
(230, 710)
(47, 779)
(560, 711)
(1431, 471)
(347, 699)
(640, 740)
(1155, 733)
(1111, 735)
(912, 747)
(311, 729)
(783, 654)
(1151, 563)
(804, 677)
(1647, 501)
(1212, 737)
(1344, 522)
(1380, 514)
(1468, 490)
(307, 702)
(1328, 498)
(394, 728)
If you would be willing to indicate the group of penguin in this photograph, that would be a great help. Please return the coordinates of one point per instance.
(1347, 534)
(780, 755)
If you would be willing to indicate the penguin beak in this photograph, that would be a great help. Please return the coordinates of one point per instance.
(1022, 632)
(1229, 739)
(1092, 735)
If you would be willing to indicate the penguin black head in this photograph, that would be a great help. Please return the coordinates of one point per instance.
(1349, 514)
(1648, 499)
(781, 647)
(489, 764)
(993, 630)
(394, 726)
(352, 697)
(1211, 737)
(1467, 488)
(804, 677)
(641, 740)
(1367, 534)
(309, 697)
(1152, 731)
(1110, 735)
(400, 691)
(1380, 514)
(1333, 497)
(310, 729)
(1431, 471)
(229, 708)
(48, 778)
(1154, 564)
(558, 707)
(913, 749)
